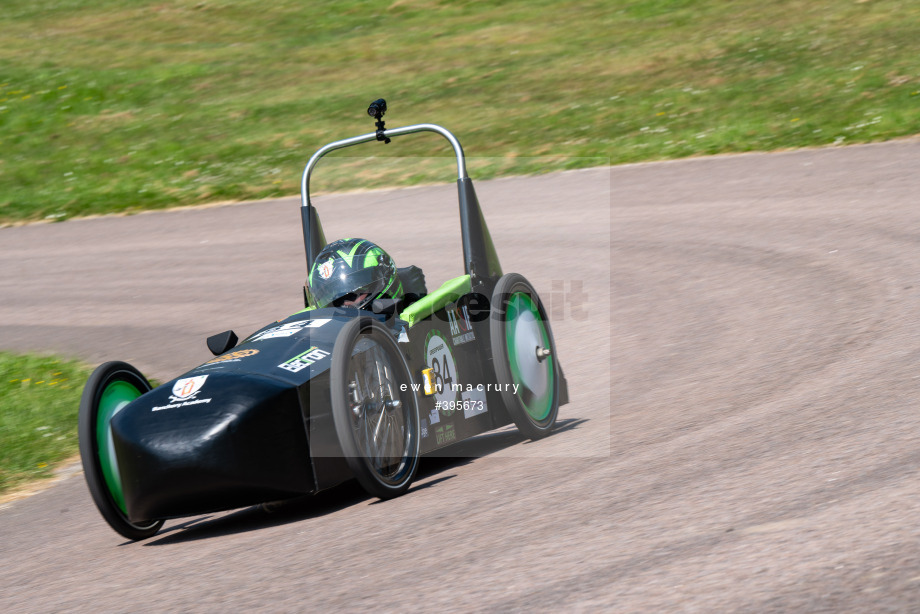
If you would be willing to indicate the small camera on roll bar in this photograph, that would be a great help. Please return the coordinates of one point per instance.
(377, 108)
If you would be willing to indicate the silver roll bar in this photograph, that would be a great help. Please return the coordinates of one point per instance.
(364, 138)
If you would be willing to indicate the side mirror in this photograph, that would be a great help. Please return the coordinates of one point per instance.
(221, 342)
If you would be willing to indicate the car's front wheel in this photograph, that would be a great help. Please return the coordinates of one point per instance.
(374, 408)
(109, 389)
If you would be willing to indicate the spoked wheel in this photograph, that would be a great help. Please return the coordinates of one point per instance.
(110, 387)
(374, 408)
(524, 356)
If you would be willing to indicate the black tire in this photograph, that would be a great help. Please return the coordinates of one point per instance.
(108, 390)
(518, 316)
(384, 463)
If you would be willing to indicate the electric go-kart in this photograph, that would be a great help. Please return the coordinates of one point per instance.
(327, 395)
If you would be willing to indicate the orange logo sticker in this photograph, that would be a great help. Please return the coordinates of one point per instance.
(233, 356)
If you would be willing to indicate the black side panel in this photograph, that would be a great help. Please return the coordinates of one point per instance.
(563, 386)
(451, 342)
(329, 465)
(479, 256)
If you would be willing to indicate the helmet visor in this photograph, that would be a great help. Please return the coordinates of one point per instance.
(361, 285)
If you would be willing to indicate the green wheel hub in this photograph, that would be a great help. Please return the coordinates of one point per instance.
(525, 333)
(115, 396)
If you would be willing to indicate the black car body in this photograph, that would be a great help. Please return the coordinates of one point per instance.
(327, 395)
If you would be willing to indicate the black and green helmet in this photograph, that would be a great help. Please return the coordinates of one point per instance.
(352, 272)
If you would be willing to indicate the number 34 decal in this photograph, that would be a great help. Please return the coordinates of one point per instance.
(443, 368)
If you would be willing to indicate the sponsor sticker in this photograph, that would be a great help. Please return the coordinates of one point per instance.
(184, 393)
(287, 330)
(232, 356)
(461, 329)
(445, 434)
(474, 402)
(325, 269)
(304, 360)
(187, 388)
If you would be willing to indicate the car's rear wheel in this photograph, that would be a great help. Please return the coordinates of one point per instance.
(109, 389)
(374, 408)
(524, 356)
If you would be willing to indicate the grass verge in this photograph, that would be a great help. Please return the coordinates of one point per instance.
(39, 401)
(121, 105)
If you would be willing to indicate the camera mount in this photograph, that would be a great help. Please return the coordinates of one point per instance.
(376, 110)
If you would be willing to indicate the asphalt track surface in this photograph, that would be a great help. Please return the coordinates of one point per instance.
(743, 364)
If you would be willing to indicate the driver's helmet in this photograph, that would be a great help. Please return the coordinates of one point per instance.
(352, 273)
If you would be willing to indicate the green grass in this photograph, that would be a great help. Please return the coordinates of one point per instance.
(39, 401)
(122, 105)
